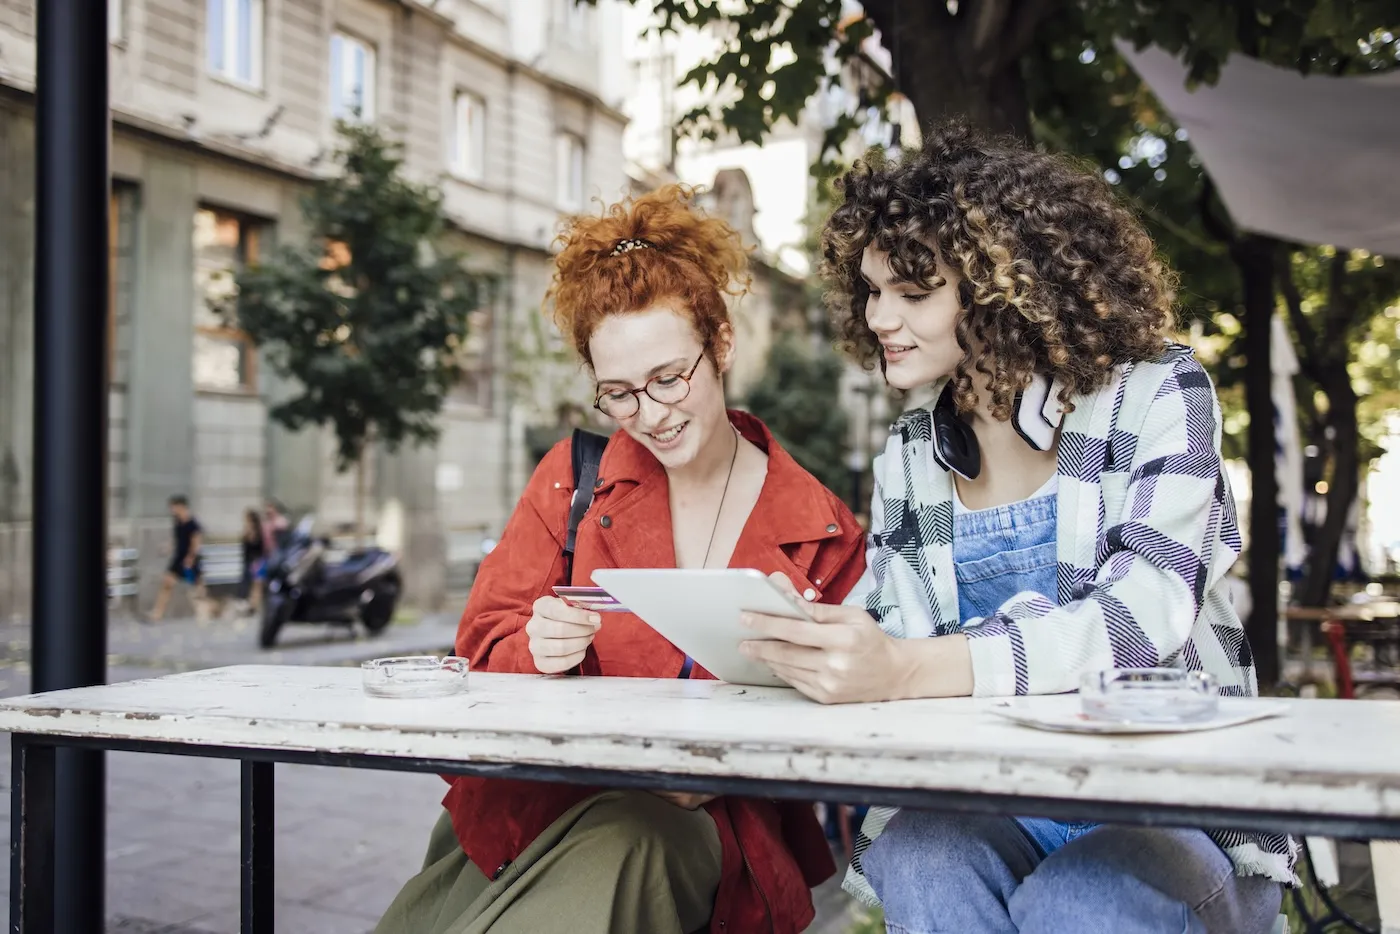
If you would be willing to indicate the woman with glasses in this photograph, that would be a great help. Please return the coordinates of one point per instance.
(640, 292)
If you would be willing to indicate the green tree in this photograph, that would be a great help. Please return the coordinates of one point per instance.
(368, 318)
(988, 60)
(1234, 282)
(1339, 305)
(799, 398)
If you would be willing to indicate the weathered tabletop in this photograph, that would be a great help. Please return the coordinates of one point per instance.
(1326, 765)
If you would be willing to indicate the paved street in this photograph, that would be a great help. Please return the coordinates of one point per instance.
(346, 839)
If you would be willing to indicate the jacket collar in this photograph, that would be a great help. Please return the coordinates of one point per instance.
(793, 506)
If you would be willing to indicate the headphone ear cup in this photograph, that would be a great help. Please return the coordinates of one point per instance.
(955, 444)
(1028, 414)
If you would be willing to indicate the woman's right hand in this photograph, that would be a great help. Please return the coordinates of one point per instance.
(560, 634)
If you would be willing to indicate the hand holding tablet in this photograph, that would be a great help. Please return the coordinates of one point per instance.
(699, 612)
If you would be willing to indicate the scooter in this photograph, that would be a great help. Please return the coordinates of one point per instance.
(303, 587)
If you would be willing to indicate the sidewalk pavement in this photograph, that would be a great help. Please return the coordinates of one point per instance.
(188, 644)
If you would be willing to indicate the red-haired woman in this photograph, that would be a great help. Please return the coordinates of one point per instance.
(685, 483)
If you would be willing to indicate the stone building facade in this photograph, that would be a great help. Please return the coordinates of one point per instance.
(223, 113)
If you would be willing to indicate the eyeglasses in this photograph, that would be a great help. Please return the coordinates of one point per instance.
(668, 389)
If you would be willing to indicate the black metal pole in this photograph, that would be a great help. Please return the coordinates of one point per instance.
(258, 845)
(31, 835)
(70, 422)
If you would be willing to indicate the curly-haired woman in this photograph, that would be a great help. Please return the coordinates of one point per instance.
(640, 291)
(1060, 508)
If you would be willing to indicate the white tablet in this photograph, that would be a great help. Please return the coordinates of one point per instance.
(698, 611)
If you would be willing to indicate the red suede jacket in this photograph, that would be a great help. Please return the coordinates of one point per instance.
(773, 852)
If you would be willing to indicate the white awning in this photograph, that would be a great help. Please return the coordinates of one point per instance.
(1311, 159)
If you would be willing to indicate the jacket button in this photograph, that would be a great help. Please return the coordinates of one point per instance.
(809, 594)
(833, 527)
(606, 522)
(500, 871)
(598, 484)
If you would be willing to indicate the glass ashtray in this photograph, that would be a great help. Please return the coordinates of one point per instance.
(415, 676)
(1149, 695)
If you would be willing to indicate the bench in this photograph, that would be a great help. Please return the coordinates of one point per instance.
(1326, 767)
(123, 578)
(223, 565)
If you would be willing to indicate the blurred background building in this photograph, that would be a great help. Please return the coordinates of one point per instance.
(223, 113)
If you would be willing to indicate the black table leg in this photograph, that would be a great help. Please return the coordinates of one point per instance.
(31, 836)
(257, 833)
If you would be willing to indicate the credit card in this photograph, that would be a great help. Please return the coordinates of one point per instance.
(594, 599)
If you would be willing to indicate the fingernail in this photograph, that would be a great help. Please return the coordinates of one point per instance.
(745, 649)
(595, 619)
(746, 619)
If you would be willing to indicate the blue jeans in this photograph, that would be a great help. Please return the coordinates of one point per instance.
(940, 873)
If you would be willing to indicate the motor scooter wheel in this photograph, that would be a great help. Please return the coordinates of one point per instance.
(379, 611)
(276, 609)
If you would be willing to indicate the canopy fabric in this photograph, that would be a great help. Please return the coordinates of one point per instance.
(1312, 159)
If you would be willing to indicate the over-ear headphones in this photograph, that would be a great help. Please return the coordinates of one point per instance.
(955, 444)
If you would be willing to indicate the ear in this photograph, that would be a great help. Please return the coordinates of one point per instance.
(724, 348)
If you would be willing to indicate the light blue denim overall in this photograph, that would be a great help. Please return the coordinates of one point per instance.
(998, 553)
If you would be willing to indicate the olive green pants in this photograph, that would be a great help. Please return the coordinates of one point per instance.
(622, 861)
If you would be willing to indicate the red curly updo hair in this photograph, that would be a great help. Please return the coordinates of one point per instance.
(651, 250)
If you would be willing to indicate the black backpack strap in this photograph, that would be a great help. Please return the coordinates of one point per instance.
(587, 453)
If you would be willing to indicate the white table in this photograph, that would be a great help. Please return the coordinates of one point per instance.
(1330, 768)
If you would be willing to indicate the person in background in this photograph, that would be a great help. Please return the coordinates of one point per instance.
(254, 558)
(273, 525)
(188, 536)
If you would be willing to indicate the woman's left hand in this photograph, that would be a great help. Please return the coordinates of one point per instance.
(844, 657)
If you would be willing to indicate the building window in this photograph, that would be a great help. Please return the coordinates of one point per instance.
(352, 79)
(235, 40)
(573, 22)
(474, 388)
(469, 137)
(121, 263)
(224, 359)
(568, 150)
(114, 20)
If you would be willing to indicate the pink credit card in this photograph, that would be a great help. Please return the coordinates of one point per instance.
(595, 599)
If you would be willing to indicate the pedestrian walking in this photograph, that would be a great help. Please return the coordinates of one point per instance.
(254, 563)
(188, 537)
(274, 524)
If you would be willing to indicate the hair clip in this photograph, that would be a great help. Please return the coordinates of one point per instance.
(634, 243)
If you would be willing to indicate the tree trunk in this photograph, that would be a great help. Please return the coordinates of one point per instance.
(1341, 493)
(360, 497)
(1254, 256)
(966, 66)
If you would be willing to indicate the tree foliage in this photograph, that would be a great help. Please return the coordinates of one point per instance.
(1019, 65)
(799, 398)
(368, 318)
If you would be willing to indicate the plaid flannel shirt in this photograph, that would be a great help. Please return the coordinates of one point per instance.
(1146, 531)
